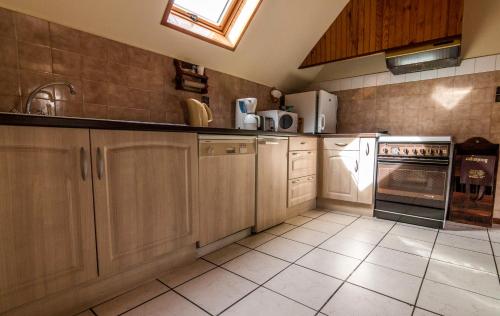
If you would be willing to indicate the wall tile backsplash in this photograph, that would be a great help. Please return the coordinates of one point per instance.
(113, 80)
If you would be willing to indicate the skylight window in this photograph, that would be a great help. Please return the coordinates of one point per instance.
(221, 22)
(213, 11)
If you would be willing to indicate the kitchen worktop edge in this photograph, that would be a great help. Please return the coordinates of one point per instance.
(73, 122)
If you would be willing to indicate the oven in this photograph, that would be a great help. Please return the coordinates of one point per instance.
(413, 176)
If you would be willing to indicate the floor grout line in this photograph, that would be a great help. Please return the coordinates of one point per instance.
(156, 296)
(494, 258)
(425, 273)
(291, 263)
(359, 264)
(173, 290)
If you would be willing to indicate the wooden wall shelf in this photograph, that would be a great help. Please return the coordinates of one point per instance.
(188, 79)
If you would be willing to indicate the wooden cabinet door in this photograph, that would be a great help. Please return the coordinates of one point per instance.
(301, 163)
(145, 188)
(227, 195)
(271, 182)
(366, 170)
(340, 175)
(47, 236)
(301, 190)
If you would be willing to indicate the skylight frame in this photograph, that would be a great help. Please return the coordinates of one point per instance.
(221, 35)
(227, 15)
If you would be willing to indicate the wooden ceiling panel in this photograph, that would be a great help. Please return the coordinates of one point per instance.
(369, 26)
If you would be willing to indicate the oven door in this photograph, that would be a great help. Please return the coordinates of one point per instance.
(414, 183)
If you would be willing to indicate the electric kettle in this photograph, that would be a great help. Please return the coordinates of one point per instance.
(199, 113)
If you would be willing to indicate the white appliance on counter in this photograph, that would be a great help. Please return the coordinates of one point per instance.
(245, 114)
(318, 109)
(283, 121)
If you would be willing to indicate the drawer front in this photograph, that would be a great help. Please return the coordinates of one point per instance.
(303, 143)
(341, 143)
(301, 163)
(301, 190)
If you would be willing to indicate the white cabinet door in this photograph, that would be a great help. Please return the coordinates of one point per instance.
(340, 175)
(366, 170)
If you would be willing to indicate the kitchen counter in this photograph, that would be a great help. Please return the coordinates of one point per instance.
(71, 122)
(354, 135)
(74, 122)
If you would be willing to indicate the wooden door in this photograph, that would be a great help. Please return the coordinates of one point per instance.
(47, 236)
(301, 163)
(301, 190)
(227, 191)
(340, 175)
(145, 188)
(271, 182)
(366, 170)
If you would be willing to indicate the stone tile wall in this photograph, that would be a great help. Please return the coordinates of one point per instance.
(113, 80)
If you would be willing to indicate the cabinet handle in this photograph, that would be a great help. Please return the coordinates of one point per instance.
(341, 144)
(84, 164)
(302, 143)
(356, 167)
(294, 154)
(100, 163)
(367, 149)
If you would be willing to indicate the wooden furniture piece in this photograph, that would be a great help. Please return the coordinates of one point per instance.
(47, 236)
(340, 175)
(348, 169)
(145, 192)
(302, 163)
(471, 203)
(366, 27)
(188, 79)
(271, 182)
(226, 186)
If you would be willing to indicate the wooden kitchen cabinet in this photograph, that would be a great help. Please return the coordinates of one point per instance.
(271, 182)
(301, 163)
(301, 190)
(348, 166)
(340, 175)
(366, 174)
(146, 200)
(47, 236)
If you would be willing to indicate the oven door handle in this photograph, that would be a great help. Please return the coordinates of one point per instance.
(415, 161)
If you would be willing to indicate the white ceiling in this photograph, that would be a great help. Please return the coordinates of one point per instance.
(276, 42)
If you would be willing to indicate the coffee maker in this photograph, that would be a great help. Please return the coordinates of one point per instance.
(245, 114)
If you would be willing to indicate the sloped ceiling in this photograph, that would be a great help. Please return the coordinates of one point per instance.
(481, 23)
(278, 39)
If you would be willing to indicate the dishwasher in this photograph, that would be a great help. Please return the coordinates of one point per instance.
(226, 164)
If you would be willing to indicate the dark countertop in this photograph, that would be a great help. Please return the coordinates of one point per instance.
(70, 122)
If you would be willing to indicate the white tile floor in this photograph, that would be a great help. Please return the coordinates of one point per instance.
(329, 263)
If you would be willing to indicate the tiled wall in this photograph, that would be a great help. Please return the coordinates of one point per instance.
(462, 106)
(113, 80)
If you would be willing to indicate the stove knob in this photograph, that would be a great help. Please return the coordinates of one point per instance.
(386, 151)
(431, 152)
(422, 151)
(440, 152)
(406, 151)
(415, 151)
